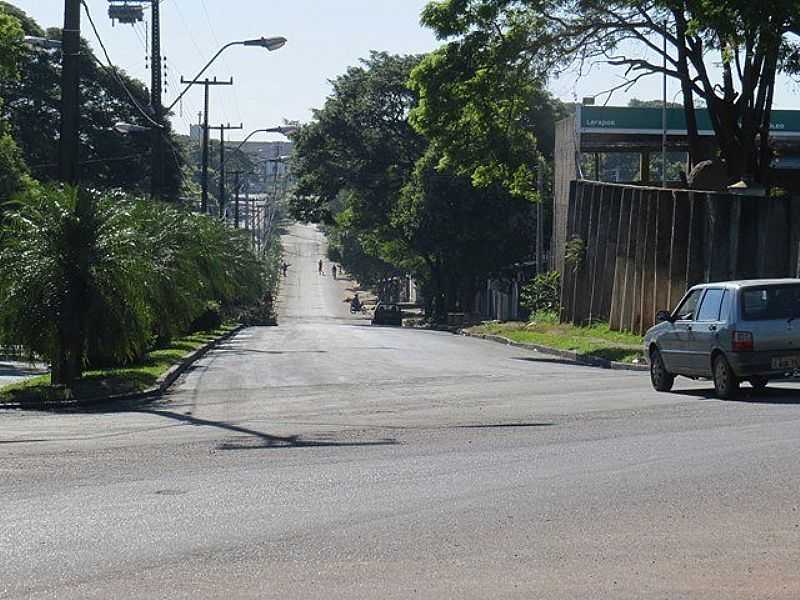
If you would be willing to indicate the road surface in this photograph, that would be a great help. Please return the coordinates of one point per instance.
(325, 458)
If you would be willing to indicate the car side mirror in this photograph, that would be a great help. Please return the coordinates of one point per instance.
(663, 315)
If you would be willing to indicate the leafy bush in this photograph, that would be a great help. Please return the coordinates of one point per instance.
(210, 319)
(542, 293)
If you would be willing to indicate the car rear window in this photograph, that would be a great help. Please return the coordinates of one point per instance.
(771, 302)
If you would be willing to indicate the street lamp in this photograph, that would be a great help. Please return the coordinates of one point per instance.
(43, 42)
(286, 130)
(271, 44)
(129, 128)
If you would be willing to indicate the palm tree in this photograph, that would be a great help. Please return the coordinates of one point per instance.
(72, 279)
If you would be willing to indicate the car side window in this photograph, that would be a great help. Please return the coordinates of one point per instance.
(710, 308)
(725, 309)
(685, 312)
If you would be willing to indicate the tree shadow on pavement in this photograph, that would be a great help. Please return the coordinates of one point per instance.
(770, 395)
(258, 439)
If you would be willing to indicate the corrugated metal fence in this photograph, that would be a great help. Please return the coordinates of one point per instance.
(632, 251)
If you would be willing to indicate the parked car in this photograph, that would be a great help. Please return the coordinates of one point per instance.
(730, 332)
(387, 314)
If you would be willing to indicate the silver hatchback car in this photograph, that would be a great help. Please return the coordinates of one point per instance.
(730, 332)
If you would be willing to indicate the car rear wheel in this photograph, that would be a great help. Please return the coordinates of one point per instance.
(759, 382)
(661, 379)
(726, 383)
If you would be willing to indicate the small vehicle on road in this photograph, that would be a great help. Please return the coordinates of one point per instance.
(729, 332)
(387, 314)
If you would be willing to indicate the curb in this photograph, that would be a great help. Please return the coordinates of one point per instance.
(163, 383)
(571, 355)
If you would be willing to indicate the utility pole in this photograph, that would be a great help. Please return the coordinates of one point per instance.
(222, 129)
(540, 219)
(68, 148)
(157, 155)
(207, 83)
(236, 175)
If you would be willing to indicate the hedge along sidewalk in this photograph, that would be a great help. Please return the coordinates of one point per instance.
(153, 376)
(592, 346)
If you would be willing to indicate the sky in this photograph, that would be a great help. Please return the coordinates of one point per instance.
(325, 37)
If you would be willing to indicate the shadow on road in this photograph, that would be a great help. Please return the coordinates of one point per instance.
(262, 440)
(550, 360)
(771, 395)
(505, 425)
(230, 349)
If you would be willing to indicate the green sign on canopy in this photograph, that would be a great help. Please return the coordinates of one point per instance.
(648, 121)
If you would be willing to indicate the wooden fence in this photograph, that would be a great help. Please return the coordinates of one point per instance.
(632, 251)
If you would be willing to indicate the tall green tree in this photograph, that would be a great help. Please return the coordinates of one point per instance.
(751, 42)
(461, 233)
(484, 107)
(108, 159)
(12, 167)
(360, 141)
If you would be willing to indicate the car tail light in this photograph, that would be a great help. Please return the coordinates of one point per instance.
(742, 341)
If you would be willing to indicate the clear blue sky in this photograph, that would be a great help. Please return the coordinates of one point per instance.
(325, 37)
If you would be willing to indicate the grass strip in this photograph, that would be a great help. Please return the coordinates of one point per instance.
(596, 340)
(102, 383)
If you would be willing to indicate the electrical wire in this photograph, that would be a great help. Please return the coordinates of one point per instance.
(111, 69)
(223, 59)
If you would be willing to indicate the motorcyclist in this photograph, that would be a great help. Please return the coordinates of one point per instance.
(355, 304)
(333, 271)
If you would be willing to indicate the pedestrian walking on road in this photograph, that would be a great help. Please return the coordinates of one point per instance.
(333, 271)
(320, 267)
(284, 268)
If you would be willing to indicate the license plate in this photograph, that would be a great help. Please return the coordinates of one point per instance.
(787, 362)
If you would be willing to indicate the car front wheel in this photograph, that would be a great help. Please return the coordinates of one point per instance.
(661, 379)
(726, 383)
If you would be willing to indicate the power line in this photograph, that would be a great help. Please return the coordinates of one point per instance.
(113, 71)
(224, 61)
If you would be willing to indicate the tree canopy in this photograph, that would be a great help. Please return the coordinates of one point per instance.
(12, 167)
(483, 105)
(751, 43)
(392, 202)
(108, 159)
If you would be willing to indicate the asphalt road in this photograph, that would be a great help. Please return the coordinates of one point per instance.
(325, 458)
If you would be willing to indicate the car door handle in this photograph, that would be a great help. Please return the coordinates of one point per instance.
(688, 328)
(712, 327)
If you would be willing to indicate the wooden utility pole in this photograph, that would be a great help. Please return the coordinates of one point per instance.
(157, 155)
(207, 83)
(222, 129)
(236, 189)
(540, 219)
(69, 142)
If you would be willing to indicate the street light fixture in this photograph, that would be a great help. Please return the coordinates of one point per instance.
(129, 128)
(271, 44)
(43, 42)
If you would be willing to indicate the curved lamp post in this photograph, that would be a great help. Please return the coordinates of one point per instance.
(286, 130)
(271, 44)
